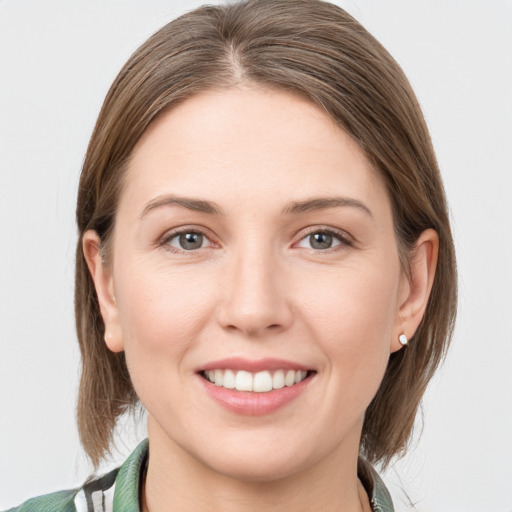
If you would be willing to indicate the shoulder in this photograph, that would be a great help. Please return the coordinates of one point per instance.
(61, 501)
(82, 499)
(120, 487)
(379, 496)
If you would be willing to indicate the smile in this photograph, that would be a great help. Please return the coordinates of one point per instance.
(254, 387)
(260, 382)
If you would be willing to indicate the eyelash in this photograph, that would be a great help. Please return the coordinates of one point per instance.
(344, 239)
(166, 239)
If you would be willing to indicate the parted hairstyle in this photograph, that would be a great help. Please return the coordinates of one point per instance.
(314, 49)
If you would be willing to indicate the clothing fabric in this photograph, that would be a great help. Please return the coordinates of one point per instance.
(119, 490)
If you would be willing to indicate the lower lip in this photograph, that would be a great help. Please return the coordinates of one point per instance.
(254, 404)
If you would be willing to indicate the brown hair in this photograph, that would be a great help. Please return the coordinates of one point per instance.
(312, 48)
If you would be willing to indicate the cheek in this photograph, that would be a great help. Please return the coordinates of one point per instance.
(162, 311)
(352, 316)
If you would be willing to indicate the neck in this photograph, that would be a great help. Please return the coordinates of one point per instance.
(176, 481)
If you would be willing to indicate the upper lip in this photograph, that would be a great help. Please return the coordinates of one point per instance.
(252, 365)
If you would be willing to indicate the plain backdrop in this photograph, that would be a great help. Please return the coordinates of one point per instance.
(57, 60)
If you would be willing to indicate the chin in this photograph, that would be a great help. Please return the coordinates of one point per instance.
(255, 468)
(266, 455)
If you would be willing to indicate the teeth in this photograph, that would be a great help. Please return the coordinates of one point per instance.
(289, 380)
(278, 380)
(259, 382)
(243, 381)
(300, 376)
(262, 382)
(229, 380)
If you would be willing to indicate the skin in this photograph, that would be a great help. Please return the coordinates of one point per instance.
(256, 288)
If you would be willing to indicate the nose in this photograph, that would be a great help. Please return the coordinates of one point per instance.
(254, 295)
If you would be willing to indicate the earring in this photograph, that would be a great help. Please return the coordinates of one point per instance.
(108, 335)
(403, 340)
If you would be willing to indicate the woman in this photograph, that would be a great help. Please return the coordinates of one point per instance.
(264, 262)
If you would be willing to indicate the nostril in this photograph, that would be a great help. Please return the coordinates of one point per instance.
(253, 326)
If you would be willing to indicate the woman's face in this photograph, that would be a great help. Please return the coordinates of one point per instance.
(254, 242)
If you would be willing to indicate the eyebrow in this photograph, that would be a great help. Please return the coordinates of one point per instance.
(294, 207)
(196, 205)
(323, 203)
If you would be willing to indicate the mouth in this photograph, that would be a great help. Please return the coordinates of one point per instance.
(255, 382)
(255, 387)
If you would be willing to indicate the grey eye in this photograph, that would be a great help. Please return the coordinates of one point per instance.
(188, 241)
(321, 240)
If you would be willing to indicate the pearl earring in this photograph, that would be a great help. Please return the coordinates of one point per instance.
(403, 340)
(108, 335)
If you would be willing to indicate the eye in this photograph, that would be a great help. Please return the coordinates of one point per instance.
(188, 241)
(322, 240)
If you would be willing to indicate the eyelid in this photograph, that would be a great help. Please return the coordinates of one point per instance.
(164, 240)
(345, 238)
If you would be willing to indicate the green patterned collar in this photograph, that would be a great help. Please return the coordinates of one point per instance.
(128, 481)
(126, 497)
(119, 490)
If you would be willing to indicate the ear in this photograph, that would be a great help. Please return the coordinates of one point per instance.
(104, 284)
(416, 286)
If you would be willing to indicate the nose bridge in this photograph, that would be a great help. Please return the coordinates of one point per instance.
(255, 300)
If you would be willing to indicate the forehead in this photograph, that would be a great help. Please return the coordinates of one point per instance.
(247, 144)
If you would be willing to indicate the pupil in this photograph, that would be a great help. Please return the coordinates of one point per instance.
(189, 241)
(320, 240)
